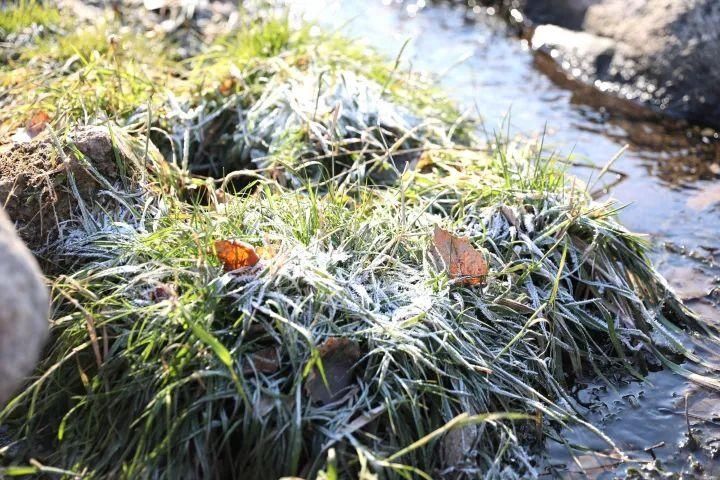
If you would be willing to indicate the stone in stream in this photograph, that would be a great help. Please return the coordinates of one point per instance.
(566, 13)
(661, 53)
(23, 310)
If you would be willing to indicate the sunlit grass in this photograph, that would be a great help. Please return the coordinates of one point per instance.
(21, 14)
(94, 73)
(340, 165)
(171, 366)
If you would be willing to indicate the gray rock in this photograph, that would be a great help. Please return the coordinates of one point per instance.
(586, 54)
(565, 13)
(662, 53)
(23, 310)
(670, 52)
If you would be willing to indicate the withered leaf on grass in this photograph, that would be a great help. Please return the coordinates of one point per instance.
(37, 123)
(425, 162)
(263, 361)
(227, 86)
(163, 291)
(235, 254)
(338, 357)
(462, 260)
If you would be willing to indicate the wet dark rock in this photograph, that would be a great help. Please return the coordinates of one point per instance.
(661, 53)
(565, 13)
(583, 52)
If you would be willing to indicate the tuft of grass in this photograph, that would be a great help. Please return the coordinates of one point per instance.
(89, 76)
(158, 365)
(19, 15)
(85, 42)
(168, 383)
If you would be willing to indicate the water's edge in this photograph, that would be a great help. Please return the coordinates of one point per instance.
(665, 179)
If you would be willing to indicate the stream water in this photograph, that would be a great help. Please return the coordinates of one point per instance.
(667, 177)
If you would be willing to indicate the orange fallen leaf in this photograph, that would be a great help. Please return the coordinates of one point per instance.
(227, 86)
(302, 62)
(462, 260)
(37, 123)
(235, 254)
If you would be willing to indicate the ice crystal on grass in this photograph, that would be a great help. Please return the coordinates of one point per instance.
(163, 365)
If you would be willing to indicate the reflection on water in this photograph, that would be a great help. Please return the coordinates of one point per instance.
(675, 152)
(668, 174)
(649, 421)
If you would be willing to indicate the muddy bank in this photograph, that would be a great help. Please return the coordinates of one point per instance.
(39, 183)
(49, 183)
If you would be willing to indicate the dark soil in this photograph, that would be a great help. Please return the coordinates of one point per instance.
(35, 180)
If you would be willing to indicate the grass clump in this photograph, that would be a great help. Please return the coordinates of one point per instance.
(174, 379)
(18, 16)
(313, 98)
(96, 73)
(164, 365)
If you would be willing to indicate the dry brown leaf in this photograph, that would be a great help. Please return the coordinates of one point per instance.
(462, 260)
(227, 86)
(425, 162)
(235, 254)
(37, 123)
(302, 62)
(263, 361)
(338, 356)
